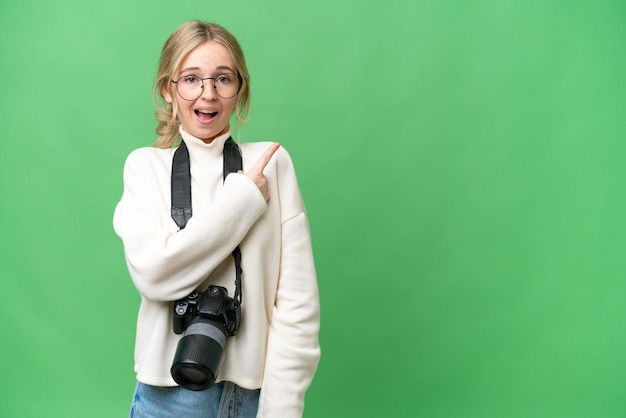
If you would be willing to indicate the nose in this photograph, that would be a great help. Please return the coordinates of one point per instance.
(208, 90)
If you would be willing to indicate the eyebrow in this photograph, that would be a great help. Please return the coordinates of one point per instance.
(220, 68)
(225, 67)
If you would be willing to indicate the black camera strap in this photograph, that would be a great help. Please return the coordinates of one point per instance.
(181, 193)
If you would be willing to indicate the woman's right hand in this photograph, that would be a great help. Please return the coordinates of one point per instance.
(256, 173)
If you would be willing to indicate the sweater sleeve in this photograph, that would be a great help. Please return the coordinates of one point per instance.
(293, 350)
(166, 264)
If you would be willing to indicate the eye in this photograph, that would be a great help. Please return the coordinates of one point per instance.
(190, 79)
(224, 79)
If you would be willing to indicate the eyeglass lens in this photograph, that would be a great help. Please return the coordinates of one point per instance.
(191, 87)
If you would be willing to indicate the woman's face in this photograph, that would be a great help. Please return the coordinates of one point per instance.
(208, 115)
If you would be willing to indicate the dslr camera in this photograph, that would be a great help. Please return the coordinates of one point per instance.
(206, 318)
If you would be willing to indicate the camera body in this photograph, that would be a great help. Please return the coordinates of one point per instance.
(206, 318)
(213, 303)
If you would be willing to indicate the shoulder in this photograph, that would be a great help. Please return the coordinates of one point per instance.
(148, 162)
(148, 156)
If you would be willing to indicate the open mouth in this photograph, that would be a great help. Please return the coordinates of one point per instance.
(205, 115)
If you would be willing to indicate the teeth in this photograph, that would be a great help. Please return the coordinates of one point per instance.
(208, 112)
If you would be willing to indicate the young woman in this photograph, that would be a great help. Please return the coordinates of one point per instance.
(269, 362)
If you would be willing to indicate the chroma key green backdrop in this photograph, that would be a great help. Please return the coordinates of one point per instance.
(462, 164)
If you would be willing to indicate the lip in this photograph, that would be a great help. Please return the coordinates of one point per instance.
(205, 118)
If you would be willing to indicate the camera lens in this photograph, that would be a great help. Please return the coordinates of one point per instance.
(199, 354)
(192, 375)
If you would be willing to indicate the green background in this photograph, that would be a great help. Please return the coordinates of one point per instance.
(462, 163)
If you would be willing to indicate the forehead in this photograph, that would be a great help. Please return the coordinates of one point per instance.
(207, 56)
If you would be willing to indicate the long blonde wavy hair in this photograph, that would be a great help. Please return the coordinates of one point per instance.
(180, 43)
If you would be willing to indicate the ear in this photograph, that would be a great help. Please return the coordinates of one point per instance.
(166, 94)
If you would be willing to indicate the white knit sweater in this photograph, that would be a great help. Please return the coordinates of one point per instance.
(276, 348)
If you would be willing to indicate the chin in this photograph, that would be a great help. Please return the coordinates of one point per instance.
(209, 136)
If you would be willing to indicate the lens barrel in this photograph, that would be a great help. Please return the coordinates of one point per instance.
(200, 354)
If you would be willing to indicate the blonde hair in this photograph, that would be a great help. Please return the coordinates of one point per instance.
(180, 43)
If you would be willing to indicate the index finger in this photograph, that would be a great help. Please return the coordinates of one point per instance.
(265, 158)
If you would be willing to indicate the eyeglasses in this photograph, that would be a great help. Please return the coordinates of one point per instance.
(190, 87)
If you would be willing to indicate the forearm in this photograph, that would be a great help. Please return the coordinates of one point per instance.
(166, 264)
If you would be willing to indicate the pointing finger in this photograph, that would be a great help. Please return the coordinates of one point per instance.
(265, 158)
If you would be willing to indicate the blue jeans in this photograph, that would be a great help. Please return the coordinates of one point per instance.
(223, 400)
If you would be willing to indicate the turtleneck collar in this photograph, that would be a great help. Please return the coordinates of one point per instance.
(201, 153)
